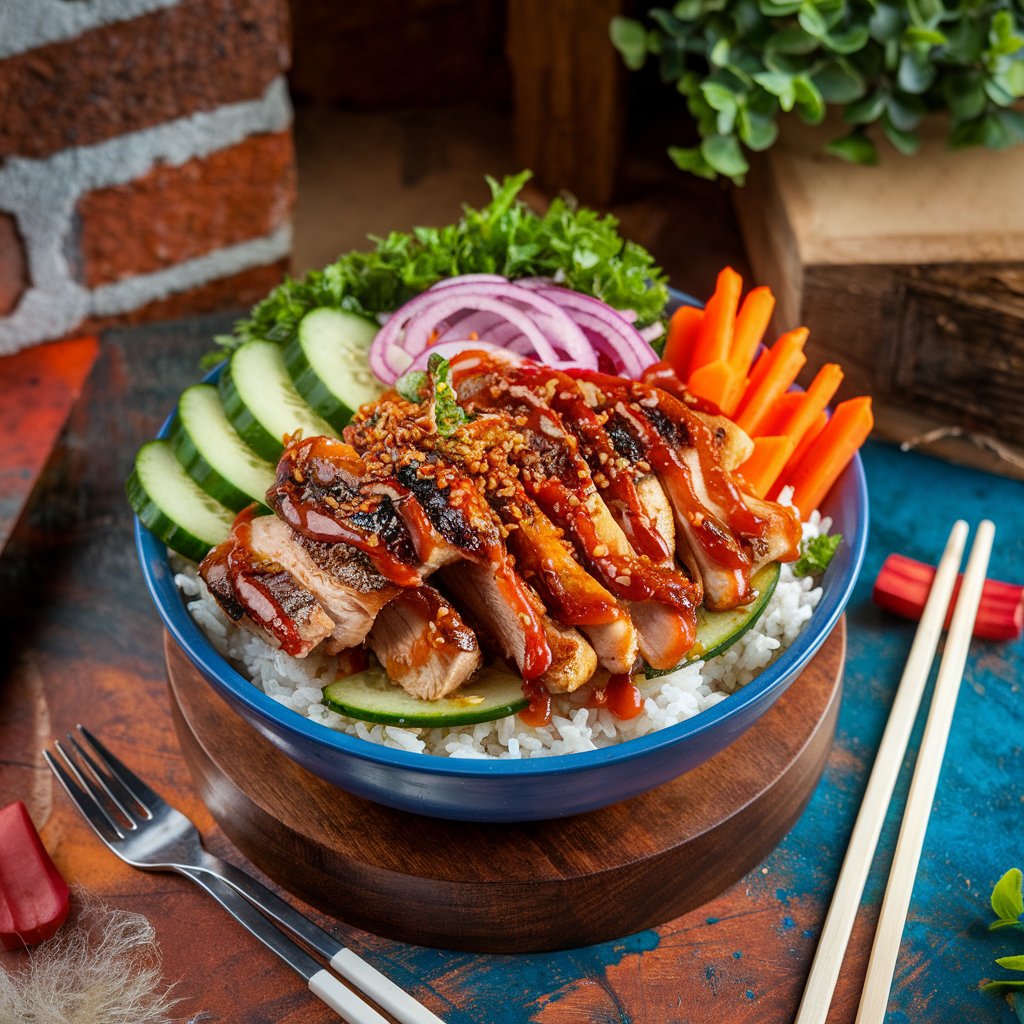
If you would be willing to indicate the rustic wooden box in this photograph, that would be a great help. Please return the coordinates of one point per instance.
(911, 274)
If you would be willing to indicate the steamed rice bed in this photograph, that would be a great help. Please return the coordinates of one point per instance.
(297, 683)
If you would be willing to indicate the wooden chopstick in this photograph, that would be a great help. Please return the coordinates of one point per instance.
(835, 933)
(893, 916)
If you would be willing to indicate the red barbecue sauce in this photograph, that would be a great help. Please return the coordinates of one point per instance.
(623, 698)
(538, 711)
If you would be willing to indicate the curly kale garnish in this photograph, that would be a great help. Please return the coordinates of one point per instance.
(579, 246)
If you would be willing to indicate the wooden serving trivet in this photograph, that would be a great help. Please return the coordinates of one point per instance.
(521, 887)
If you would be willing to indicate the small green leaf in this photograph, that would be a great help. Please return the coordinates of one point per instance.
(1002, 986)
(411, 385)
(630, 38)
(915, 73)
(756, 131)
(886, 22)
(793, 41)
(866, 110)
(905, 112)
(809, 102)
(849, 41)
(906, 142)
(723, 153)
(839, 83)
(779, 85)
(816, 553)
(718, 96)
(964, 92)
(692, 160)
(997, 94)
(1007, 895)
(687, 10)
(779, 8)
(924, 12)
(1011, 963)
(811, 20)
(719, 55)
(855, 148)
(927, 36)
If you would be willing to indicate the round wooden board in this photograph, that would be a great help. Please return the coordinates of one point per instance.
(522, 887)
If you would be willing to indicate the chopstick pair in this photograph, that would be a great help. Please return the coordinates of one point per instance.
(835, 935)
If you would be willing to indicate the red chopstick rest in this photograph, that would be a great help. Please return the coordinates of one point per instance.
(34, 897)
(902, 587)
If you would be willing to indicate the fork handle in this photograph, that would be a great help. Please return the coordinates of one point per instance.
(348, 964)
(321, 983)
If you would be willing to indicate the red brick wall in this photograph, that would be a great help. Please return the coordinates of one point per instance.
(146, 165)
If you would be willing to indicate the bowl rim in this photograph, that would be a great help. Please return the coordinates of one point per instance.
(850, 489)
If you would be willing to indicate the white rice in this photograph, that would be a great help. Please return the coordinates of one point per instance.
(296, 683)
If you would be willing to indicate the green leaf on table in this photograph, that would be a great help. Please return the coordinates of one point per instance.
(793, 41)
(1001, 987)
(687, 10)
(812, 21)
(854, 148)
(629, 37)
(905, 111)
(1011, 963)
(1008, 898)
(866, 110)
(849, 40)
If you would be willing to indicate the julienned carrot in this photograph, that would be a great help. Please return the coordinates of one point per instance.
(813, 401)
(765, 463)
(810, 436)
(682, 335)
(786, 358)
(764, 360)
(717, 382)
(751, 323)
(714, 339)
(830, 453)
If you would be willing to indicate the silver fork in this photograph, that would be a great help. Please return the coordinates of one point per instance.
(154, 836)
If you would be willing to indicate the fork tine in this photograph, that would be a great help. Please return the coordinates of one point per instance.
(118, 795)
(144, 796)
(90, 809)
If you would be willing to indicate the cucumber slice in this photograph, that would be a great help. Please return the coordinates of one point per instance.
(261, 402)
(327, 361)
(371, 697)
(718, 631)
(214, 455)
(171, 505)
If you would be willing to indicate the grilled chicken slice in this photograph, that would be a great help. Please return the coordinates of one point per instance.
(423, 643)
(257, 593)
(337, 575)
(658, 509)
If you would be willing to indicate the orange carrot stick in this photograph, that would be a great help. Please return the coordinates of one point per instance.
(751, 323)
(810, 436)
(714, 338)
(830, 453)
(682, 336)
(814, 401)
(765, 463)
(781, 413)
(764, 360)
(716, 382)
(786, 358)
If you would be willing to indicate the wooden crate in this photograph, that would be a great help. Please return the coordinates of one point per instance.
(911, 274)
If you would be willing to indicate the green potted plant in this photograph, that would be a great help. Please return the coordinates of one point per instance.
(884, 67)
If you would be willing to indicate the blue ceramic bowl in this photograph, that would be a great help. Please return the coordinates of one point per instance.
(514, 790)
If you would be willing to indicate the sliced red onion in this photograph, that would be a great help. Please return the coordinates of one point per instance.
(449, 282)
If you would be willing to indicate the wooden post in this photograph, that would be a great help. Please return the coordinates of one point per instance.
(569, 87)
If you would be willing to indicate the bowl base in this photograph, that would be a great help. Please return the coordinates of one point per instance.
(511, 888)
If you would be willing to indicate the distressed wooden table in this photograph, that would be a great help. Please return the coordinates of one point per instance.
(82, 643)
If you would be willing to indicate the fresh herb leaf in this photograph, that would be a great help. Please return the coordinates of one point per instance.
(1002, 986)
(411, 384)
(579, 246)
(1008, 900)
(1012, 963)
(816, 553)
(448, 414)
